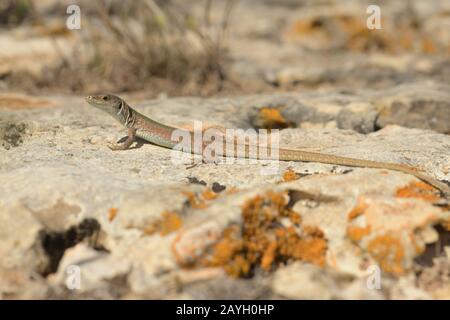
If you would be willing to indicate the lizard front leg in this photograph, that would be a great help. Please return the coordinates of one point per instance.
(124, 146)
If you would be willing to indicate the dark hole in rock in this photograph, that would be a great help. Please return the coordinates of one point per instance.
(217, 187)
(55, 243)
(376, 125)
(297, 195)
(195, 180)
(436, 249)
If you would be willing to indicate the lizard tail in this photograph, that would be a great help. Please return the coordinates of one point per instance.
(295, 155)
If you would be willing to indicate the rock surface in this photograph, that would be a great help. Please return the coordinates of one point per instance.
(137, 225)
(80, 221)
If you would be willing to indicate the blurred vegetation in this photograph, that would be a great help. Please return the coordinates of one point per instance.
(14, 12)
(132, 45)
(143, 40)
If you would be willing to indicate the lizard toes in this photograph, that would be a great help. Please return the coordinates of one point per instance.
(114, 146)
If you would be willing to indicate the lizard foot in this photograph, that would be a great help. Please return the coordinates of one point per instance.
(116, 146)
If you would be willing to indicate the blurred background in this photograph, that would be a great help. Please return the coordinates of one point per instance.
(226, 47)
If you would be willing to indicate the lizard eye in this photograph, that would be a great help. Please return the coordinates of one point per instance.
(105, 98)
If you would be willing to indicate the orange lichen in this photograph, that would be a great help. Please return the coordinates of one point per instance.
(358, 210)
(169, 222)
(200, 201)
(352, 24)
(195, 201)
(296, 219)
(405, 39)
(418, 247)
(388, 251)
(319, 31)
(394, 245)
(428, 46)
(269, 255)
(227, 246)
(313, 231)
(263, 241)
(357, 233)
(272, 118)
(419, 190)
(231, 190)
(365, 40)
(306, 248)
(309, 28)
(209, 195)
(112, 213)
(290, 175)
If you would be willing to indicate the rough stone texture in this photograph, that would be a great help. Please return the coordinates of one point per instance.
(326, 44)
(425, 108)
(136, 225)
(133, 221)
(303, 281)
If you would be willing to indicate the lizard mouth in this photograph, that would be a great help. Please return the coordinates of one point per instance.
(89, 99)
(93, 101)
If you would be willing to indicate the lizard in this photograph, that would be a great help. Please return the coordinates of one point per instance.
(140, 126)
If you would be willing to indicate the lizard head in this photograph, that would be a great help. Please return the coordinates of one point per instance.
(109, 103)
(106, 102)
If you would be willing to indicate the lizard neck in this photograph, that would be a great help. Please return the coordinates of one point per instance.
(149, 129)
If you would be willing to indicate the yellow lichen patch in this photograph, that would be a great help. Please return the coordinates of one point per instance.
(272, 118)
(429, 46)
(390, 230)
(225, 250)
(209, 195)
(264, 241)
(418, 247)
(365, 40)
(112, 213)
(195, 201)
(313, 231)
(357, 210)
(231, 190)
(418, 190)
(309, 28)
(169, 222)
(290, 175)
(200, 201)
(352, 24)
(319, 31)
(406, 39)
(388, 251)
(309, 247)
(296, 218)
(357, 233)
(226, 247)
(269, 255)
